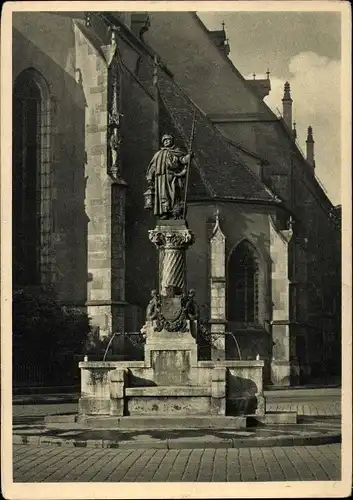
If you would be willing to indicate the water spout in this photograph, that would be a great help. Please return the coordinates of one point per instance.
(125, 336)
(236, 343)
(109, 343)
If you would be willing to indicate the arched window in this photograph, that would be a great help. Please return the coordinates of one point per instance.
(243, 277)
(30, 165)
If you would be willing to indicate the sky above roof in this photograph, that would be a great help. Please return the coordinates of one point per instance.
(305, 49)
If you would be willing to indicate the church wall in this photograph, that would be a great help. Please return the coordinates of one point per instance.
(137, 151)
(237, 222)
(315, 271)
(45, 42)
(314, 279)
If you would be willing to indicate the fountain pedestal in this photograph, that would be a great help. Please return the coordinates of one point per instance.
(172, 238)
(171, 382)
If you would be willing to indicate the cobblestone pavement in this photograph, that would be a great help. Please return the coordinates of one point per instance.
(314, 431)
(59, 464)
(308, 408)
(36, 412)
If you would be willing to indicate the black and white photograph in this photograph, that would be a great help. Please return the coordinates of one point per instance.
(175, 185)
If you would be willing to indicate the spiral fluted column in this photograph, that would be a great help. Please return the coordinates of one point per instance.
(172, 239)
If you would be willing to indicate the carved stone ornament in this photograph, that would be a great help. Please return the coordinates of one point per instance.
(114, 115)
(153, 308)
(171, 239)
(179, 325)
(171, 317)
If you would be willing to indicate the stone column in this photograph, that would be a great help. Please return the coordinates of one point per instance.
(172, 238)
(105, 190)
(117, 384)
(218, 391)
(170, 348)
(283, 364)
(218, 293)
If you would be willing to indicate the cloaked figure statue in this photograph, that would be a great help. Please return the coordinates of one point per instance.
(154, 306)
(190, 306)
(165, 177)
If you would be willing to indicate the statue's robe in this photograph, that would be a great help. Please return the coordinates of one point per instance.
(167, 162)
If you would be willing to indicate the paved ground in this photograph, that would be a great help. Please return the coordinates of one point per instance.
(36, 412)
(57, 464)
(309, 407)
(311, 431)
(320, 407)
(312, 408)
(308, 402)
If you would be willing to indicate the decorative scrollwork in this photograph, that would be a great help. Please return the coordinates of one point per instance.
(171, 239)
(177, 325)
(114, 116)
(156, 237)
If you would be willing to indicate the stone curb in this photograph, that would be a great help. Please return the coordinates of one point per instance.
(50, 400)
(180, 443)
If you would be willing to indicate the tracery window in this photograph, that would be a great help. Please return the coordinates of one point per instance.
(243, 278)
(30, 168)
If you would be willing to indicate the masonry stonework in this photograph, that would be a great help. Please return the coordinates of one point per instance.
(105, 199)
(218, 292)
(284, 367)
(98, 252)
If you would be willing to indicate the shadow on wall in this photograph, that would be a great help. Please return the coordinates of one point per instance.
(241, 398)
(67, 170)
(137, 151)
(62, 155)
(135, 381)
(237, 223)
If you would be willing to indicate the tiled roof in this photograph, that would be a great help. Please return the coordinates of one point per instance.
(222, 172)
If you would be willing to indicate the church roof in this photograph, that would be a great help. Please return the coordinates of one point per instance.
(223, 173)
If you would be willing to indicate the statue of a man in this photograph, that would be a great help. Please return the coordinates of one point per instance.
(114, 147)
(165, 176)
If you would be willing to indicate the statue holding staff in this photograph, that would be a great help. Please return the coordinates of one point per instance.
(165, 176)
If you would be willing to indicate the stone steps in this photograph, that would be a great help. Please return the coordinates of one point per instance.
(168, 390)
(171, 422)
(160, 422)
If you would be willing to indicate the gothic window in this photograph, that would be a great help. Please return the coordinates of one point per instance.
(30, 164)
(243, 273)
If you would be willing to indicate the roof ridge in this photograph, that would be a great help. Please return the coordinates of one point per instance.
(241, 162)
(259, 181)
(234, 161)
(234, 68)
(181, 131)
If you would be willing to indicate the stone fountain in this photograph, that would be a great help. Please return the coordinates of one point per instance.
(171, 387)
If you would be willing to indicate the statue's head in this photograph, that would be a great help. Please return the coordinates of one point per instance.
(192, 292)
(167, 140)
(154, 293)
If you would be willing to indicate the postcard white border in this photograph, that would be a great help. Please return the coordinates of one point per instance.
(173, 490)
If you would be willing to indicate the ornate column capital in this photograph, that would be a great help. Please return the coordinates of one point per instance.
(171, 238)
